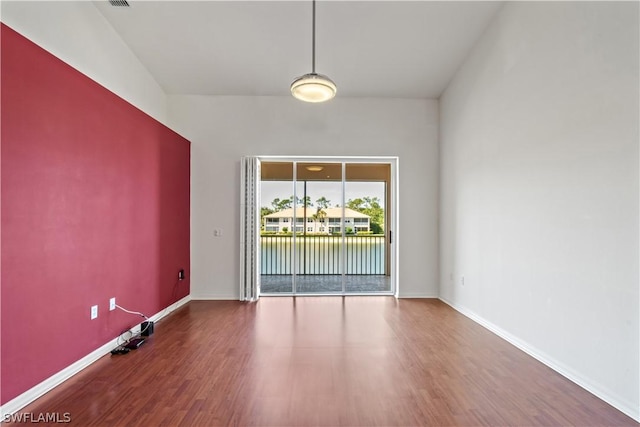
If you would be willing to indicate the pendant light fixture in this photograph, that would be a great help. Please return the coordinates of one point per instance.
(313, 87)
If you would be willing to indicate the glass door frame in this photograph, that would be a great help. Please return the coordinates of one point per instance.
(392, 203)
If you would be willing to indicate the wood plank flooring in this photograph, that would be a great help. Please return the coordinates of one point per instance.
(356, 361)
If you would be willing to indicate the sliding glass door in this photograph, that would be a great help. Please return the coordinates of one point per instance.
(326, 227)
(277, 255)
(366, 192)
(319, 247)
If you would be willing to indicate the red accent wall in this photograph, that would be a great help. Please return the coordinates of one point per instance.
(95, 204)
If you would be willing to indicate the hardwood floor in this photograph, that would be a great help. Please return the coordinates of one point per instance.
(357, 361)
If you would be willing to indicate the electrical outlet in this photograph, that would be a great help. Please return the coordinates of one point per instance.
(462, 280)
(94, 312)
(112, 304)
(217, 232)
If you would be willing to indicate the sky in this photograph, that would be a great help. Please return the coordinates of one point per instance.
(316, 189)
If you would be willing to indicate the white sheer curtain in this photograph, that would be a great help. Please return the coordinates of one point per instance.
(249, 229)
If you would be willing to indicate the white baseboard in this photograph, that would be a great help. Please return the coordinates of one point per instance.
(173, 307)
(622, 405)
(414, 295)
(33, 393)
(214, 297)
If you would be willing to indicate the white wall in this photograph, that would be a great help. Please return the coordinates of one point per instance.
(223, 129)
(78, 34)
(539, 184)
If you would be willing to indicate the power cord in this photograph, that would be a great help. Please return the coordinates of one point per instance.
(132, 312)
(122, 346)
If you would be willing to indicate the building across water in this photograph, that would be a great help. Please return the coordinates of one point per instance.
(319, 221)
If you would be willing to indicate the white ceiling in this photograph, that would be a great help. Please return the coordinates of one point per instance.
(403, 49)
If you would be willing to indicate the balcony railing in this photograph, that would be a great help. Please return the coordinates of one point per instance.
(321, 254)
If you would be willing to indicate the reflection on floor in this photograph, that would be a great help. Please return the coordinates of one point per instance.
(323, 284)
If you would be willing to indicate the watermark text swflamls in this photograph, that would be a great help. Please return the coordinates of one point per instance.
(42, 417)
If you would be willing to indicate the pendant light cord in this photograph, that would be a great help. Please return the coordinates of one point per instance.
(313, 38)
(313, 87)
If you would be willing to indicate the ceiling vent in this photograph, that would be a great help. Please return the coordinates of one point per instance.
(123, 3)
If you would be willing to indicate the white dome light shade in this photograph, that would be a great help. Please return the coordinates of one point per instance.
(313, 88)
